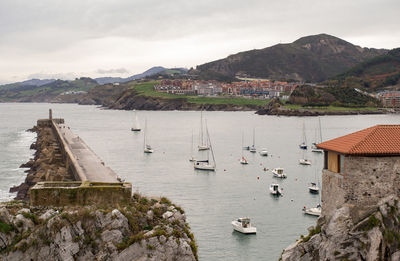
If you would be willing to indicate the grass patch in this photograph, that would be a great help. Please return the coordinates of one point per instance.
(371, 223)
(6, 228)
(313, 232)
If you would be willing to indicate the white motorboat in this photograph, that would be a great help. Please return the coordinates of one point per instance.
(203, 145)
(313, 211)
(315, 149)
(146, 147)
(304, 162)
(278, 173)
(264, 152)
(313, 188)
(135, 126)
(206, 164)
(275, 190)
(244, 226)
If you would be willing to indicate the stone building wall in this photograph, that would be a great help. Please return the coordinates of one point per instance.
(332, 191)
(365, 181)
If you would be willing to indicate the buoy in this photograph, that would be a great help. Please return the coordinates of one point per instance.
(224, 169)
(291, 200)
(265, 169)
(258, 177)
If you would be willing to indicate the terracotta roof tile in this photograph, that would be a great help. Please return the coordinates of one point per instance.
(377, 140)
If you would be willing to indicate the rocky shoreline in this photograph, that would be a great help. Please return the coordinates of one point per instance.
(375, 237)
(47, 164)
(138, 228)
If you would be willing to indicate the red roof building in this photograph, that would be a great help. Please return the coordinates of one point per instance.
(360, 169)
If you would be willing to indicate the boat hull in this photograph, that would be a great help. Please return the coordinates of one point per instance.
(204, 167)
(244, 230)
(134, 129)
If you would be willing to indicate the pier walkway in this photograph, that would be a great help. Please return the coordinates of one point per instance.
(88, 165)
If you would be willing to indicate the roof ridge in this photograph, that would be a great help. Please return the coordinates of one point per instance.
(365, 138)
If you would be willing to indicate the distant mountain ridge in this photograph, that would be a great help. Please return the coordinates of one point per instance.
(312, 58)
(378, 73)
(151, 71)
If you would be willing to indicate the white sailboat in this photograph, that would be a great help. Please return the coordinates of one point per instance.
(135, 126)
(243, 160)
(191, 150)
(264, 152)
(303, 144)
(206, 164)
(317, 139)
(146, 147)
(304, 160)
(203, 140)
(253, 147)
(313, 188)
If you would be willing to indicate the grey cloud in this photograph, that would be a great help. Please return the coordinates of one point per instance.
(112, 71)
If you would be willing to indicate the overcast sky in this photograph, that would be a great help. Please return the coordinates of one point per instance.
(72, 38)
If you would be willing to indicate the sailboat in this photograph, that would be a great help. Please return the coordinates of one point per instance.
(202, 140)
(303, 145)
(135, 126)
(146, 147)
(303, 160)
(253, 147)
(243, 160)
(191, 150)
(318, 139)
(206, 164)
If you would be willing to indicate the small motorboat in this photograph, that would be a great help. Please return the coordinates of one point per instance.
(244, 226)
(304, 162)
(278, 173)
(244, 161)
(313, 188)
(313, 211)
(191, 159)
(264, 152)
(275, 190)
(253, 149)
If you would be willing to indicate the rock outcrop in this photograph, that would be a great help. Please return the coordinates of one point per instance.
(139, 229)
(47, 164)
(376, 237)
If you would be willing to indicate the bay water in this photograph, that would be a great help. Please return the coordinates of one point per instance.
(211, 200)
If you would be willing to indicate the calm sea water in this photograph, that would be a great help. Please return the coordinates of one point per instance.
(211, 200)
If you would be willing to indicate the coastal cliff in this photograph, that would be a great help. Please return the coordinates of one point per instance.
(374, 237)
(138, 229)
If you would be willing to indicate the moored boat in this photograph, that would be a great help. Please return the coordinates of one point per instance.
(244, 226)
(278, 173)
(275, 189)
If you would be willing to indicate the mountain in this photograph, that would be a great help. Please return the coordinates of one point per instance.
(381, 72)
(149, 72)
(31, 82)
(312, 58)
(46, 92)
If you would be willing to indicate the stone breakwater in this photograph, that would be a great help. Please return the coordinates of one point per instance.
(139, 229)
(47, 164)
(376, 237)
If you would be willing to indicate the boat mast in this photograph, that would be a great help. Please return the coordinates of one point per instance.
(320, 131)
(242, 142)
(144, 134)
(201, 129)
(254, 137)
(212, 151)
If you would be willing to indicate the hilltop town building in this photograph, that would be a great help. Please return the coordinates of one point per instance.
(262, 88)
(360, 169)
